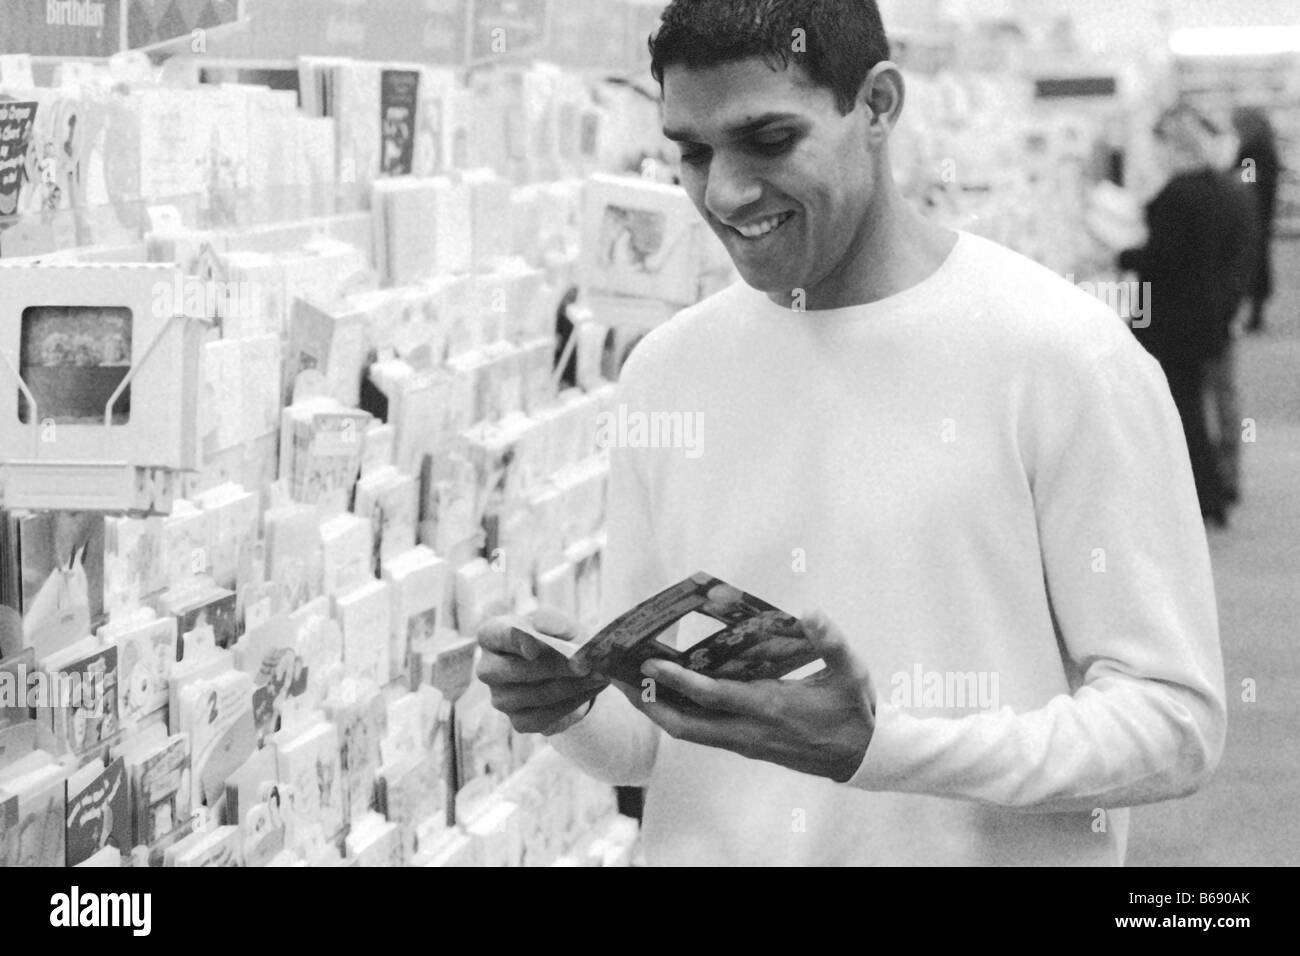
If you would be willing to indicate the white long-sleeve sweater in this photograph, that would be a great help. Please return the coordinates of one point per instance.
(982, 478)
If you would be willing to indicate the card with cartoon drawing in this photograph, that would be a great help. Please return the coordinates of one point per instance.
(756, 641)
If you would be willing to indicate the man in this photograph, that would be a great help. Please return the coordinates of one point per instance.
(965, 466)
(1197, 260)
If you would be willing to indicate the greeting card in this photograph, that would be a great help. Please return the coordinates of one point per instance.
(432, 151)
(391, 500)
(584, 555)
(331, 344)
(347, 552)
(160, 787)
(357, 708)
(273, 151)
(490, 209)
(416, 721)
(557, 588)
(323, 270)
(320, 453)
(233, 520)
(364, 615)
(281, 675)
(318, 640)
(134, 567)
(377, 450)
(32, 806)
(357, 113)
(246, 784)
(317, 172)
(309, 762)
(16, 673)
(217, 713)
(451, 496)
(258, 280)
(418, 579)
(146, 655)
(754, 640)
(483, 760)
(16, 124)
(411, 791)
(261, 361)
(221, 846)
(61, 556)
(85, 714)
(452, 302)
(208, 611)
(398, 98)
(98, 811)
(293, 553)
(479, 589)
(185, 546)
(373, 841)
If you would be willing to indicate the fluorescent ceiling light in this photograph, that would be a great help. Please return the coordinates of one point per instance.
(1235, 41)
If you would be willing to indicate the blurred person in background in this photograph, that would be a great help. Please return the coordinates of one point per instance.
(1258, 167)
(1199, 228)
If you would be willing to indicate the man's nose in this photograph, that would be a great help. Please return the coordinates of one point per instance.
(730, 188)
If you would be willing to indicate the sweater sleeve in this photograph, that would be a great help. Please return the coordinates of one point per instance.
(615, 742)
(1145, 721)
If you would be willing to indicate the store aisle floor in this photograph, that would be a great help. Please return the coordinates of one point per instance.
(1247, 814)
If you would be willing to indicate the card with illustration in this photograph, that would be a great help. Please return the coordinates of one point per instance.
(146, 654)
(98, 813)
(62, 560)
(639, 240)
(756, 641)
(88, 716)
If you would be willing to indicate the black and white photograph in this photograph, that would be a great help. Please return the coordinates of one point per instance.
(831, 433)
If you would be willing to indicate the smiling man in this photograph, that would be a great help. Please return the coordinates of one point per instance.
(964, 469)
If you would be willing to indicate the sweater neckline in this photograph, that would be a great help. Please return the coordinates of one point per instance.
(891, 304)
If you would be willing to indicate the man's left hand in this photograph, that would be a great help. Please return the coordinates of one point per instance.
(820, 725)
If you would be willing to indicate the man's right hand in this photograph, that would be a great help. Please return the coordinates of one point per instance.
(532, 684)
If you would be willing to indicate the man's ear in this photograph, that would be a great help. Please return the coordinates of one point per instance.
(883, 94)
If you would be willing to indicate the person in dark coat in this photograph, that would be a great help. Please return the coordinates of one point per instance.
(1259, 167)
(1197, 245)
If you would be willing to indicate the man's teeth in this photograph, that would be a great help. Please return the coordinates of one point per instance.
(762, 228)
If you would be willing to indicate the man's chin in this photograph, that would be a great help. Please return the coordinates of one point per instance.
(764, 281)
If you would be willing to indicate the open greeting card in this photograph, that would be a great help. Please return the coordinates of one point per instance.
(756, 641)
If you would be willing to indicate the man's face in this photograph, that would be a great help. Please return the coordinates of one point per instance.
(779, 175)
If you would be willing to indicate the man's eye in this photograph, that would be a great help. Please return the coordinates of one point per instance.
(772, 145)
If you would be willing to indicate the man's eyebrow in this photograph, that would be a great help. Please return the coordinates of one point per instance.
(740, 129)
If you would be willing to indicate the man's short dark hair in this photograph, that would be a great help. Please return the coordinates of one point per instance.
(841, 40)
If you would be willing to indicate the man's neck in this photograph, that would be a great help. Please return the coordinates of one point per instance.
(894, 249)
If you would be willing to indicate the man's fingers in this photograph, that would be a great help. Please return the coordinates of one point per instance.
(717, 695)
(512, 698)
(695, 726)
(556, 623)
(828, 640)
(540, 719)
(496, 668)
(835, 651)
(499, 636)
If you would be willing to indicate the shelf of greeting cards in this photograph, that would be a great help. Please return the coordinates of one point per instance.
(113, 232)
